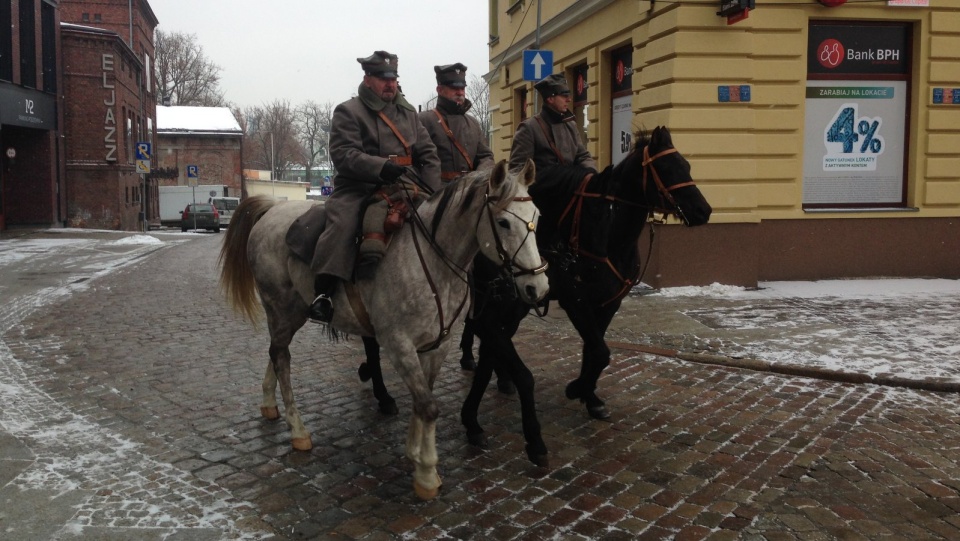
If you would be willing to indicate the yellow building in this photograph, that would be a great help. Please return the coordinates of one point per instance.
(827, 139)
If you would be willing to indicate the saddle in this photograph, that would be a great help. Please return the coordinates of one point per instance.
(303, 233)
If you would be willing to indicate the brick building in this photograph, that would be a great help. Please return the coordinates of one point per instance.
(31, 175)
(208, 137)
(109, 104)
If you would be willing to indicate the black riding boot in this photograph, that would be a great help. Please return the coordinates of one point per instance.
(322, 308)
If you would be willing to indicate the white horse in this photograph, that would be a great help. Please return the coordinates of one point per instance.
(419, 293)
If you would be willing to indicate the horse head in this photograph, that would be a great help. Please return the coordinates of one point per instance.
(666, 183)
(508, 234)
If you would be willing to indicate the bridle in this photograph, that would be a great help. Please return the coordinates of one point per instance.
(508, 262)
(667, 205)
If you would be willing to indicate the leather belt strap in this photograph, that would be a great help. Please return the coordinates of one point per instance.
(401, 160)
(549, 135)
(396, 132)
(359, 309)
(449, 132)
(449, 175)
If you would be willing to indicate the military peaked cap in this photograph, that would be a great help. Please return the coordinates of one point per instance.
(454, 75)
(380, 64)
(551, 85)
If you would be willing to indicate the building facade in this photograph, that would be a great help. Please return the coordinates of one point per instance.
(109, 106)
(31, 173)
(207, 138)
(827, 139)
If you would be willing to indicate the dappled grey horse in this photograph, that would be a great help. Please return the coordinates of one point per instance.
(417, 296)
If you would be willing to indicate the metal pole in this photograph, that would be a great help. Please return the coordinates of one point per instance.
(536, 45)
(273, 182)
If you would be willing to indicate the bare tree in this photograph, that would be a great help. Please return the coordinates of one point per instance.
(312, 121)
(273, 137)
(478, 92)
(184, 74)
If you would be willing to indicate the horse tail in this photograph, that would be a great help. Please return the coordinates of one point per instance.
(236, 275)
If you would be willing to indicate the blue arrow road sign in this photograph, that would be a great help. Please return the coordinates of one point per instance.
(193, 171)
(537, 64)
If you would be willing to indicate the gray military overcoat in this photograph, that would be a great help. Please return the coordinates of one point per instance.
(360, 143)
(467, 131)
(531, 141)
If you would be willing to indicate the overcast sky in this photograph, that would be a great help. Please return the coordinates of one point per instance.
(307, 49)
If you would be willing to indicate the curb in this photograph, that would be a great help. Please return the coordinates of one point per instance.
(746, 363)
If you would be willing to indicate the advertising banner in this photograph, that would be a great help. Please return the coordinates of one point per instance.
(621, 119)
(855, 118)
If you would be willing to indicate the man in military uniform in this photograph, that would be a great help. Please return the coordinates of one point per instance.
(376, 139)
(551, 137)
(461, 144)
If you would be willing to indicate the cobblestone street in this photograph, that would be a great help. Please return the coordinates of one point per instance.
(137, 403)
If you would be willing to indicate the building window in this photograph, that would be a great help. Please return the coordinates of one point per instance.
(515, 6)
(6, 42)
(519, 106)
(97, 18)
(48, 40)
(494, 18)
(28, 44)
(85, 17)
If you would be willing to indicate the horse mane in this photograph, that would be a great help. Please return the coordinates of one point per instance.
(467, 188)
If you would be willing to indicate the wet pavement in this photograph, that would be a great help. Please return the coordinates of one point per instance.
(129, 409)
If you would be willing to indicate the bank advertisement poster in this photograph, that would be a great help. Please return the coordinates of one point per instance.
(854, 142)
(858, 78)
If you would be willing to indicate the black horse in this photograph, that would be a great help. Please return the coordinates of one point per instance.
(588, 232)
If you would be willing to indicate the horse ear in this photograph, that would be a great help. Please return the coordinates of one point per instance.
(661, 136)
(498, 174)
(529, 173)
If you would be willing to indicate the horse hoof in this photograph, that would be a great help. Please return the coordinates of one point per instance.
(425, 493)
(599, 413)
(572, 391)
(540, 461)
(302, 444)
(270, 412)
(478, 440)
(389, 408)
(467, 363)
(364, 372)
(506, 387)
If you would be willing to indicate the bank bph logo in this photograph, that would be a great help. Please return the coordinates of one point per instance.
(830, 53)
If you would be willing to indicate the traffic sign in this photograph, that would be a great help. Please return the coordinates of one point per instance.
(144, 151)
(193, 174)
(537, 64)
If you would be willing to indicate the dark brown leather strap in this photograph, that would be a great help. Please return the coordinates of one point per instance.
(395, 131)
(453, 138)
(549, 135)
(359, 309)
(449, 175)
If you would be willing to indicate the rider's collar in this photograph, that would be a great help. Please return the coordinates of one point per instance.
(450, 107)
(554, 117)
(374, 103)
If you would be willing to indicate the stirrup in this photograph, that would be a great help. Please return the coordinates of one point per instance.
(321, 309)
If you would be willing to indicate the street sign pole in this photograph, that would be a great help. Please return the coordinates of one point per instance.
(143, 155)
(193, 178)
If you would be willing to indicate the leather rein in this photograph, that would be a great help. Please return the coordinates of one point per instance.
(576, 206)
(508, 263)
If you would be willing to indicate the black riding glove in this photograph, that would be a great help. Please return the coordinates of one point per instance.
(391, 171)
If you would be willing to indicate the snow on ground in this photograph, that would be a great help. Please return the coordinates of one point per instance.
(72, 452)
(880, 327)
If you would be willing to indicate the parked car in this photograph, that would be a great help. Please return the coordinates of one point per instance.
(225, 206)
(200, 216)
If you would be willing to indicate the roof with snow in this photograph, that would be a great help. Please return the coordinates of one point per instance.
(197, 120)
